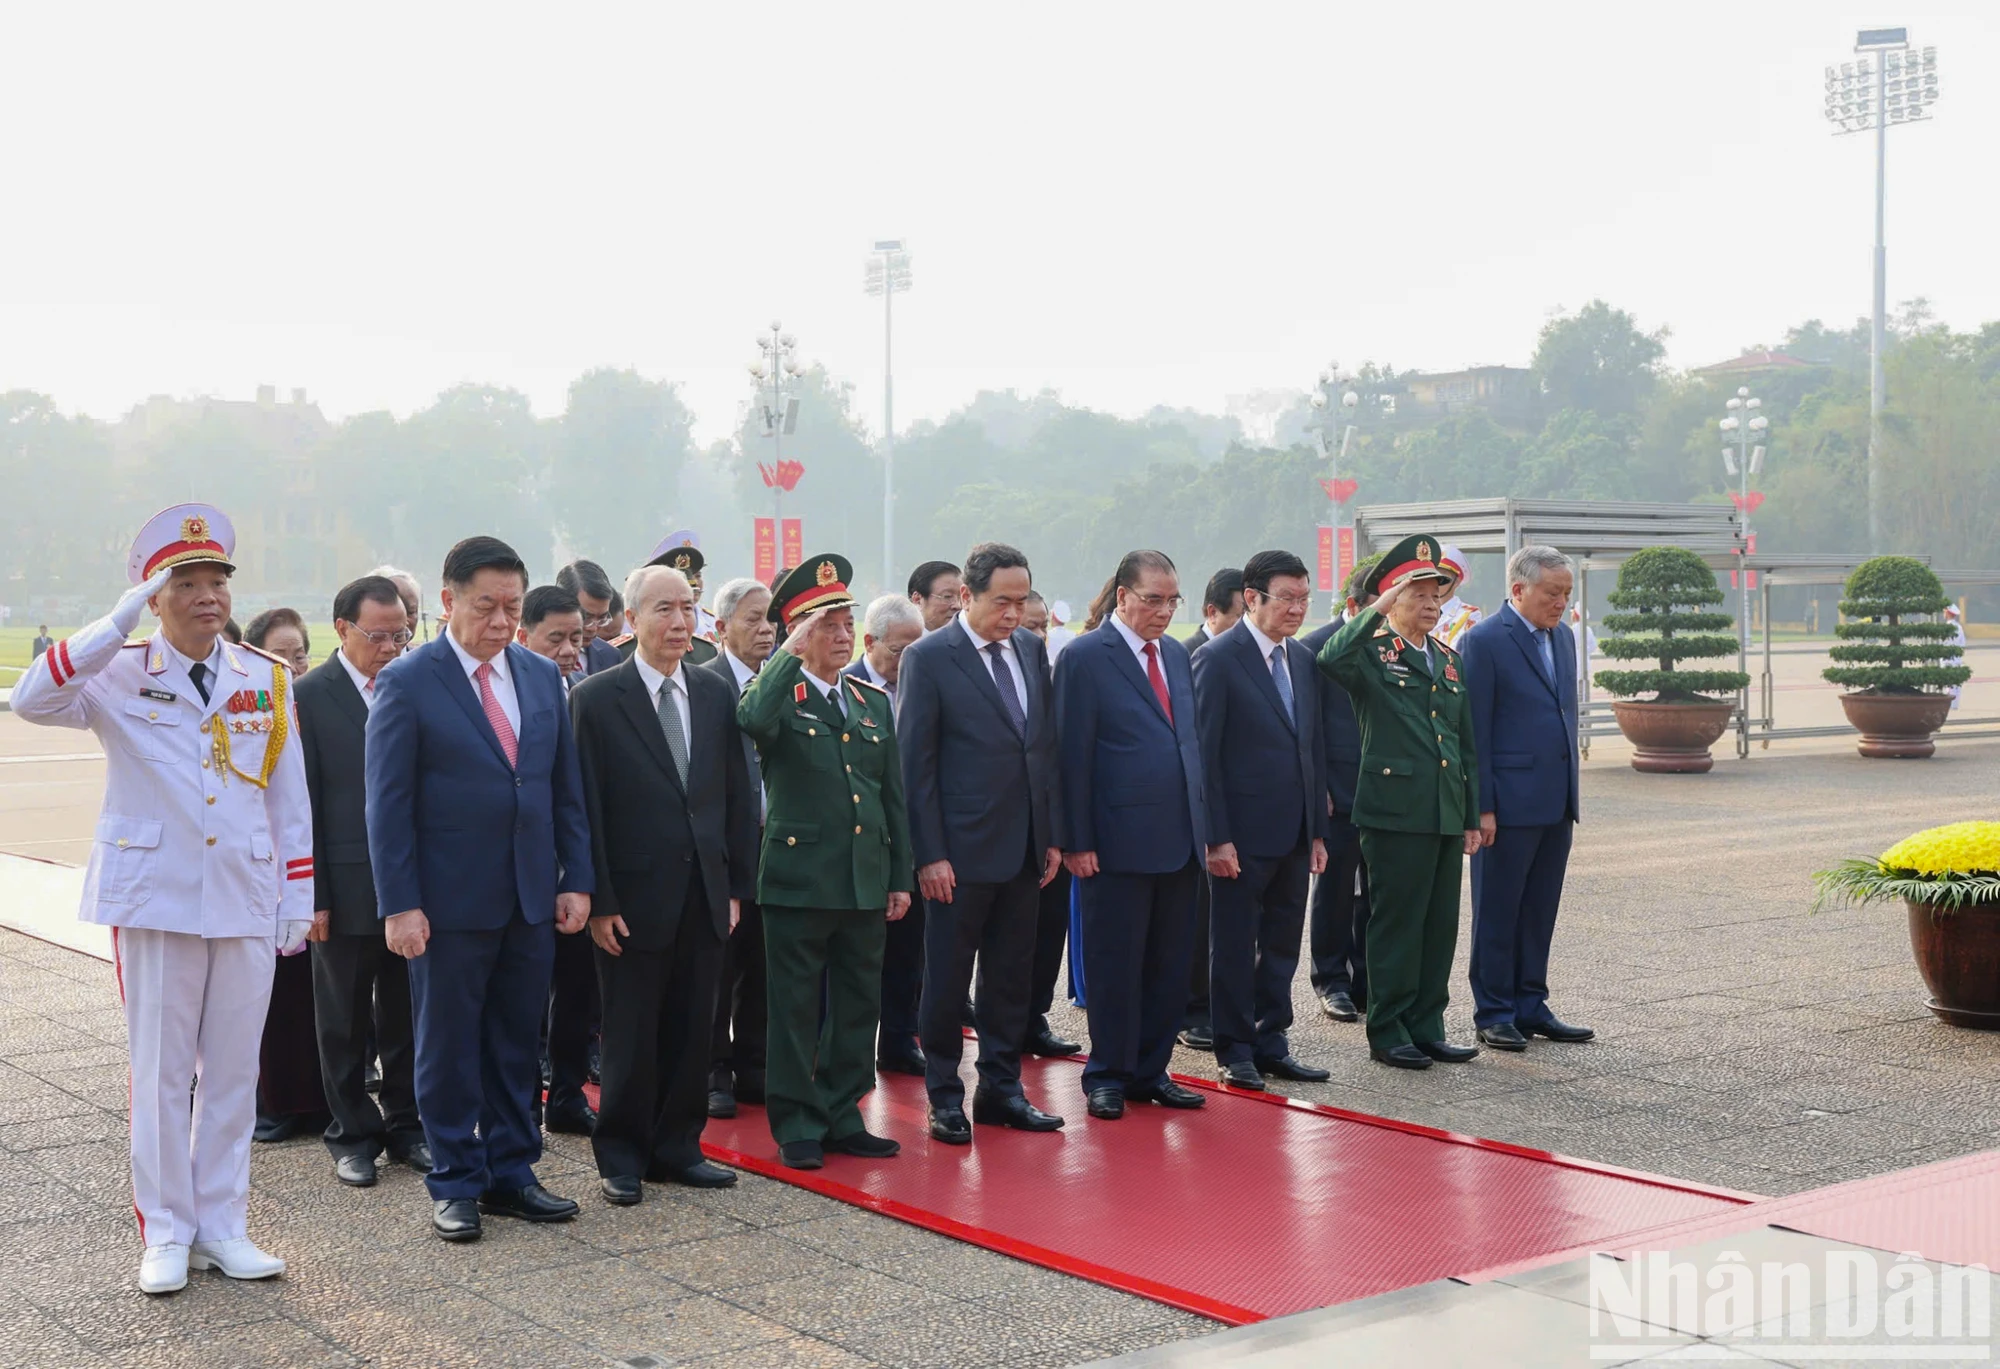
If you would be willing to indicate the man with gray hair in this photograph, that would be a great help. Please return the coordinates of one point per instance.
(1520, 672)
(890, 624)
(411, 593)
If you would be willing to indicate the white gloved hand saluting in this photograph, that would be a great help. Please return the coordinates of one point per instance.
(292, 937)
(133, 602)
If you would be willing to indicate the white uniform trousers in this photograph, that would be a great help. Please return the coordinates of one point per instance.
(194, 1009)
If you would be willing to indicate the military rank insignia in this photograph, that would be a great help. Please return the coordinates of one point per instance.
(799, 692)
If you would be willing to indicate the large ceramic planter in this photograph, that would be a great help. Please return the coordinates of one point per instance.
(1896, 726)
(1672, 739)
(1958, 954)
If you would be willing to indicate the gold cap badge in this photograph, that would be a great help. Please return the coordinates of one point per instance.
(826, 573)
(194, 529)
(683, 561)
(1424, 551)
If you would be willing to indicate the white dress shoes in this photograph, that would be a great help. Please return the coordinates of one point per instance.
(238, 1258)
(164, 1269)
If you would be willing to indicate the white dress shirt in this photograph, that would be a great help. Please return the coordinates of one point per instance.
(743, 673)
(1006, 645)
(364, 686)
(503, 683)
(1137, 644)
(186, 666)
(654, 680)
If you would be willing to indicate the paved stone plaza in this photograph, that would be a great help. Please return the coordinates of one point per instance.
(1742, 1043)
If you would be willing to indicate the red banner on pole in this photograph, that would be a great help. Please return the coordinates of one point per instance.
(794, 542)
(766, 541)
(1346, 561)
(1326, 558)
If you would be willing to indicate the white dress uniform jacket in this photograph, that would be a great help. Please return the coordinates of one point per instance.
(187, 841)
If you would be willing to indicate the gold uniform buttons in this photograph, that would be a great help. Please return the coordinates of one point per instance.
(812, 731)
(211, 799)
(850, 770)
(121, 843)
(857, 798)
(211, 841)
(1385, 769)
(154, 716)
(843, 736)
(791, 841)
(1445, 764)
(857, 829)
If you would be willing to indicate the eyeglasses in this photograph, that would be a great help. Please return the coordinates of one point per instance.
(401, 637)
(1169, 601)
(596, 621)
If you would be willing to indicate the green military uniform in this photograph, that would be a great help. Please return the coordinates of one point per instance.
(836, 845)
(1417, 796)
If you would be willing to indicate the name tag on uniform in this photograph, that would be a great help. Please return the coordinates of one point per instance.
(1398, 668)
(160, 695)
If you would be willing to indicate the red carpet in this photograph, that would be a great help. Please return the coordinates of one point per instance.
(1253, 1207)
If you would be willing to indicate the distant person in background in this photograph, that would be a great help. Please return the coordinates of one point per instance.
(891, 624)
(1059, 633)
(1221, 606)
(1957, 622)
(602, 609)
(1035, 615)
(1585, 637)
(412, 595)
(1458, 617)
(281, 632)
(552, 626)
(933, 588)
(291, 1097)
(42, 641)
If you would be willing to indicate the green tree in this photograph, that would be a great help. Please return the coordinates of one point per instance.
(477, 463)
(615, 469)
(1598, 359)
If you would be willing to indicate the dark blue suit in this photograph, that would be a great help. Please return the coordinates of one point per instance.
(1526, 725)
(1339, 922)
(482, 848)
(1266, 779)
(599, 654)
(981, 793)
(1131, 792)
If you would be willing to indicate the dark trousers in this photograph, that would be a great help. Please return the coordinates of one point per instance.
(1255, 924)
(736, 1044)
(361, 996)
(903, 979)
(1516, 884)
(1340, 916)
(816, 1073)
(1412, 932)
(1051, 939)
(288, 1076)
(572, 1021)
(1138, 939)
(997, 923)
(1200, 1010)
(658, 1017)
(477, 999)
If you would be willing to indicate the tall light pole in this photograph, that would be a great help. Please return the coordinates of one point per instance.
(1334, 403)
(1897, 87)
(888, 275)
(1744, 426)
(778, 364)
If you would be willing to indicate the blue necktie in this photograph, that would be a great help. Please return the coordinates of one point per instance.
(1282, 678)
(1003, 680)
(1548, 653)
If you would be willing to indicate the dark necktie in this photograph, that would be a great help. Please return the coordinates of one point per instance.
(1548, 653)
(833, 701)
(198, 672)
(1004, 679)
(670, 723)
(1159, 681)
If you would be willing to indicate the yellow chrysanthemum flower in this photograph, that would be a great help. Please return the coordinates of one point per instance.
(1956, 848)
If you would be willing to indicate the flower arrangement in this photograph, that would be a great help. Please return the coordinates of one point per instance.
(1946, 868)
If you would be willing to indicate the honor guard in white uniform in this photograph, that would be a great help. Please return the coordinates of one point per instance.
(1457, 616)
(202, 868)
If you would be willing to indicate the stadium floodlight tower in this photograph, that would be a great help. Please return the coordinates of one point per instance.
(1898, 84)
(888, 275)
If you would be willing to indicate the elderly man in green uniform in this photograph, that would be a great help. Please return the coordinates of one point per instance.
(835, 868)
(1417, 801)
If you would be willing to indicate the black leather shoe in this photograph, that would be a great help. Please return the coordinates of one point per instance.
(1107, 1105)
(273, 1129)
(531, 1204)
(701, 1174)
(573, 1121)
(622, 1190)
(1241, 1074)
(910, 1061)
(1403, 1057)
(417, 1155)
(455, 1219)
(965, 1016)
(949, 1126)
(1558, 1030)
(1447, 1054)
(371, 1078)
(865, 1144)
(750, 1088)
(990, 1110)
(1168, 1095)
(1197, 1038)
(1291, 1067)
(1043, 1042)
(356, 1171)
(721, 1103)
(1503, 1036)
(802, 1155)
(1340, 1006)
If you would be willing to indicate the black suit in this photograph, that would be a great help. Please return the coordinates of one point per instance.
(361, 990)
(570, 1027)
(736, 1049)
(1340, 903)
(981, 790)
(1266, 781)
(1199, 1011)
(599, 656)
(672, 854)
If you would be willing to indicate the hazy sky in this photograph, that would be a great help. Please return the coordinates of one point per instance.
(1135, 204)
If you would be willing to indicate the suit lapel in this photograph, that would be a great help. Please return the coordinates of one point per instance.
(1128, 665)
(967, 659)
(445, 661)
(644, 712)
(350, 700)
(1524, 638)
(1260, 670)
(1034, 681)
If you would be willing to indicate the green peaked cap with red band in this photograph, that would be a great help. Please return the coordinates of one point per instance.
(1416, 557)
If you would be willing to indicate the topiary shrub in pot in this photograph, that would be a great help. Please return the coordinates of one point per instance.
(1898, 669)
(1665, 615)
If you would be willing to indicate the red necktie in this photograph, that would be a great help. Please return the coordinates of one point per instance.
(1159, 680)
(496, 715)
